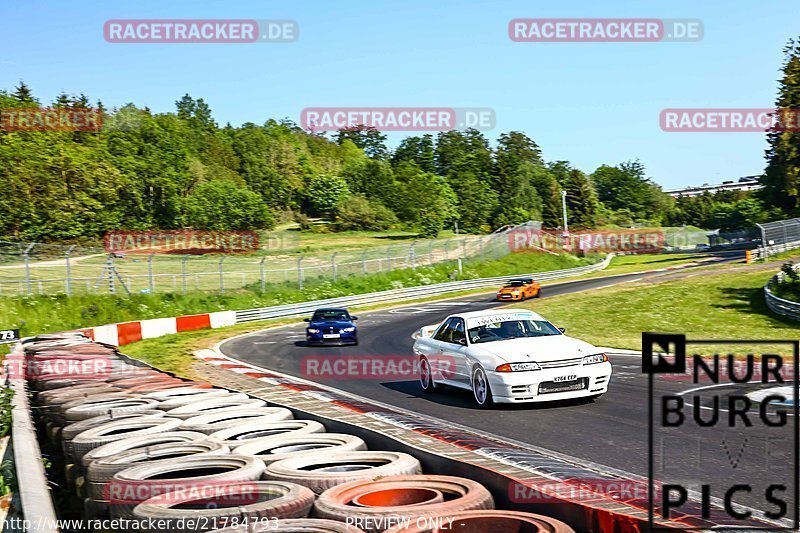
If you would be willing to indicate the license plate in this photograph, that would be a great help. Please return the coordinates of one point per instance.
(330, 335)
(560, 379)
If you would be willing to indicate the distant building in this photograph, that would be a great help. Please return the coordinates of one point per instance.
(747, 183)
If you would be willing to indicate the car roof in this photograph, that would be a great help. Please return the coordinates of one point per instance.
(498, 311)
(331, 309)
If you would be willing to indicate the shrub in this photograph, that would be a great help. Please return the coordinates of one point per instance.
(358, 213)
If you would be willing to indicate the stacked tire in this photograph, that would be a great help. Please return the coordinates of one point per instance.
(178, 455)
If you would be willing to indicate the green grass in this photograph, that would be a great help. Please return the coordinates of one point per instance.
(36, 314)
(724, 306)
(623, 264)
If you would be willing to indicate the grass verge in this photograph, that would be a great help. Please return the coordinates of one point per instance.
(34, 314)
(706, 305)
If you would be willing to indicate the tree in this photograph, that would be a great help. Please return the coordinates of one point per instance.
(418, 150)
(514, 149)
(368, 138)
(325, 192)
(781, 180)
(23, 94)
(424, 200)
(626, 187)
(356, 212)
(222, 205)
(582, 204)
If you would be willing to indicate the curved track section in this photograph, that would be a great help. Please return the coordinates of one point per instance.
(611, 431)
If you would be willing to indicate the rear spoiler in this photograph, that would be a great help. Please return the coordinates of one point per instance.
(425, 331)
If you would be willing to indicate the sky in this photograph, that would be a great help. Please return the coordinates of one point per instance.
(589, 103)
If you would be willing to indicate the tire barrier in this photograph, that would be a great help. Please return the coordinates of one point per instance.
(279, 447)
(183, 400)
(101, 471)
(217, 405)
(144, 445)
(248, 432)
(214, 420)
(188, 475)
(243, 503)
(367, 502)
(323, 471)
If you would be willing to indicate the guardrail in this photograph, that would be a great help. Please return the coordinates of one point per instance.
(779, 305)
(34, 493)
(763, 252)
(306, 308)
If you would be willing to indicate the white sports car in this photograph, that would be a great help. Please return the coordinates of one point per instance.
(509, 356)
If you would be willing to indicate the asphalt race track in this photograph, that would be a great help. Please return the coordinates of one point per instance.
(611, 431)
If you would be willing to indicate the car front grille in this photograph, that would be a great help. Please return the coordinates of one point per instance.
(561, 363)
(547, 387)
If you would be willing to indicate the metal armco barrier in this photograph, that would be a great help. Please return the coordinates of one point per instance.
(779, 305)
(34, 493)
(306, 308)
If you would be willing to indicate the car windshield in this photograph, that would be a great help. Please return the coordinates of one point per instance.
(511, 329)
(514, 284)
(330, 314)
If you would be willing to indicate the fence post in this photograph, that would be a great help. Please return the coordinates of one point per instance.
(183, 272)
(364, 262)
(27, 259)
(389, 259)
(464, 248)
(150, 281)
(333, 266)
(263, 278)
(300, 272)
(411, 257)
(446, 244)
(68, 281)
(221, 276)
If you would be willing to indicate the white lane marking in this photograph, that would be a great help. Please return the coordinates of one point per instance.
(265, 342)
(704, 387)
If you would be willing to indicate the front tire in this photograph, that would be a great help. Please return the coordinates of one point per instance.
(481, 390)
(426, 377)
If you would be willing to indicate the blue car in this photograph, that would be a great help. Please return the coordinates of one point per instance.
(332, 326)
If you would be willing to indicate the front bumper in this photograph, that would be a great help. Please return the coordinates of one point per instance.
(508, 297)
(344, 338)
(524, 387)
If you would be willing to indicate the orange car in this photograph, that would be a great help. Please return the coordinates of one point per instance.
(520, 289)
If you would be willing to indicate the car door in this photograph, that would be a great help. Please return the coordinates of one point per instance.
(431, 347)
(454, 351)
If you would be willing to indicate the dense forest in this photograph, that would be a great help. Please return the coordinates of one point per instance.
(146, 170)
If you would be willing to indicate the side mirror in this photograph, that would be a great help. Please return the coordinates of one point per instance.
(306, 320)
(562, 330)
(353, 317)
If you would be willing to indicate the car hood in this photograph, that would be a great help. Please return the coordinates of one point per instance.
(549, 348)
(510, 289)
(331, 324)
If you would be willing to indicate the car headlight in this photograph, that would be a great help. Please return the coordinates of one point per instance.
(312, 330)
(517, 367)
(594, 359)
(348, 330)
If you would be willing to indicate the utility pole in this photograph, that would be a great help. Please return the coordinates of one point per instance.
(564, 210)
